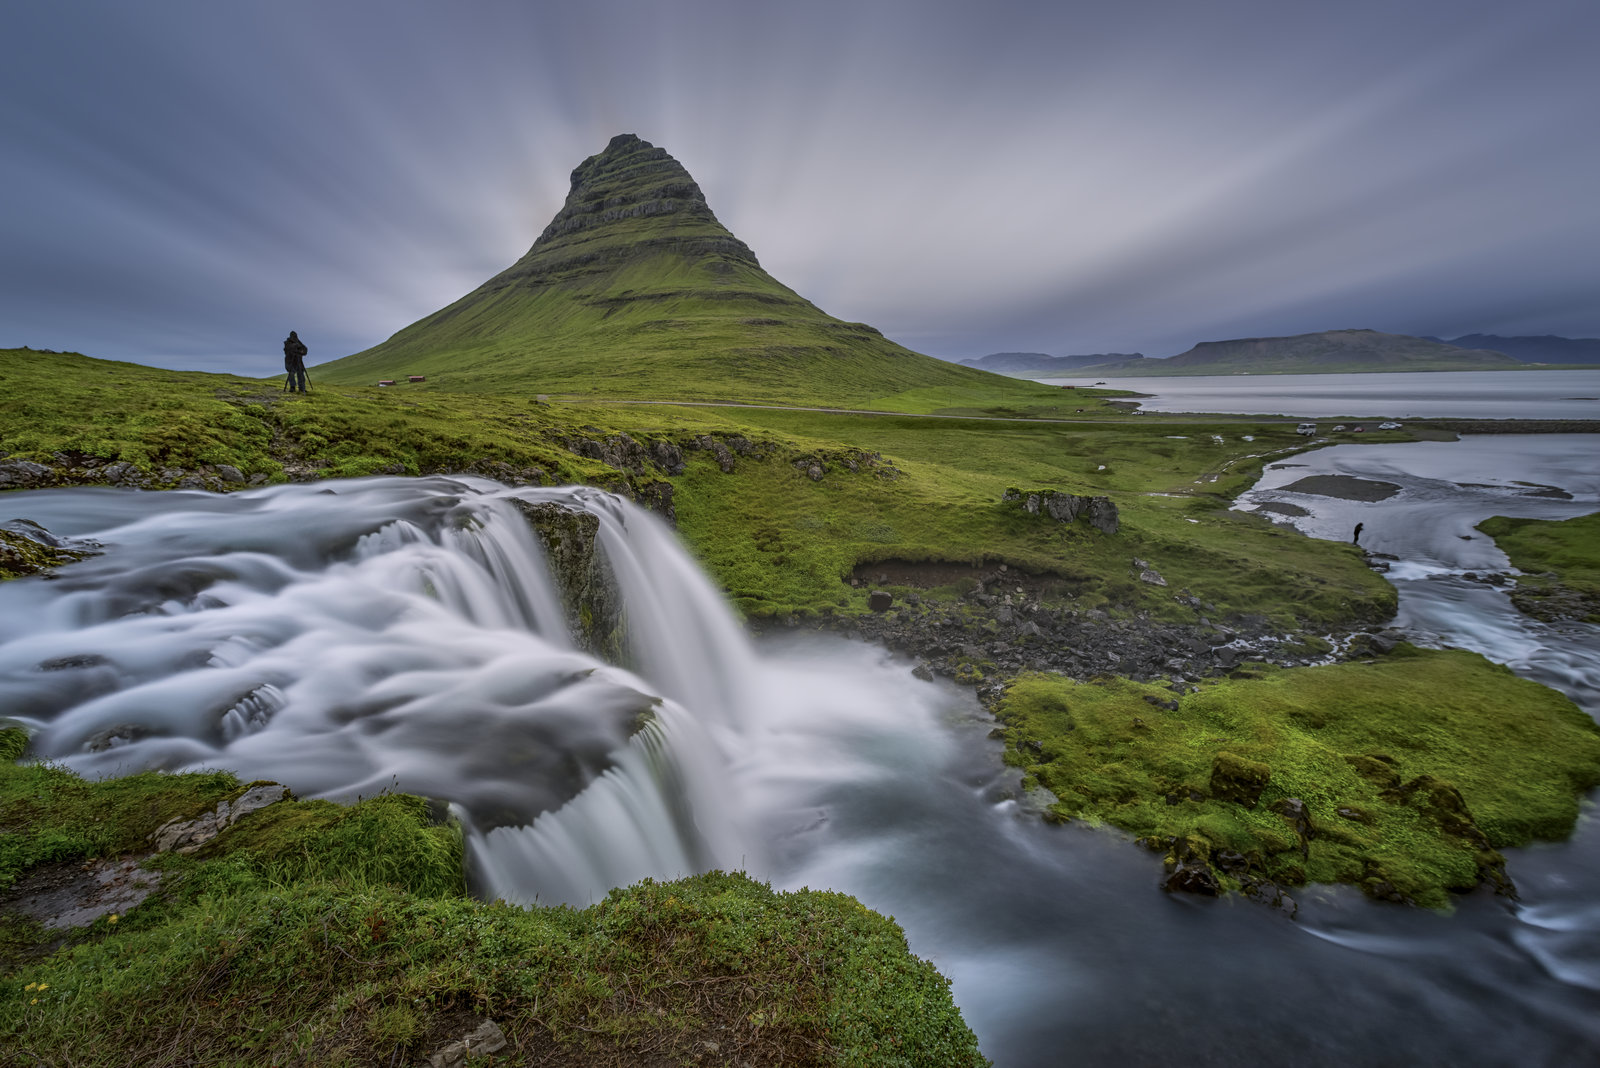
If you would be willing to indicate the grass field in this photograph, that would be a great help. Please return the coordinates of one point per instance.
(780, 543)
(313, 933)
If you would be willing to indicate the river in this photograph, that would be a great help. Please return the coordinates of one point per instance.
(343, 637)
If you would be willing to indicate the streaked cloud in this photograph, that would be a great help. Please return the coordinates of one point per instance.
(188, 181)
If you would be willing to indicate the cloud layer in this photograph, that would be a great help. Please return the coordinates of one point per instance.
(187, 181)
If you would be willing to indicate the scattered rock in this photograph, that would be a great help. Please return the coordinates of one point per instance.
(229, 473)
(487, 1038)
(814, 473)
(880, 600)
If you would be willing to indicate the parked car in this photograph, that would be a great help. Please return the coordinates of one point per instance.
(1389, 426)
(1358, 430)
(1339, 427)
(1308, 429)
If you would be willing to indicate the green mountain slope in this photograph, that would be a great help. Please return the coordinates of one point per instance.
(636, 290)
(1330, 352)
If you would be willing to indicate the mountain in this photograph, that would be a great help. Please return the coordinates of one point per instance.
(1330, 352)
(1545, 349)
(1040, 365)
(635, 289)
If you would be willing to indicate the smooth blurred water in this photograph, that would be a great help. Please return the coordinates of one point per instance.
(1398, 395)
(344, 637)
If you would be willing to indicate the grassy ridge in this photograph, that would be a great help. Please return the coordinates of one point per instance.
(1381, 753)
(312, 933)
(780, 543)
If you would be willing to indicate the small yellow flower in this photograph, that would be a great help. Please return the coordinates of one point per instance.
(35, 1001)
(31, 986)
(112, 918)
(44, 986)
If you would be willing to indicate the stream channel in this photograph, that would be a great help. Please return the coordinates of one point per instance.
(350, 636)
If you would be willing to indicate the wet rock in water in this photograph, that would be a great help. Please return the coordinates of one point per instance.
(880, 600)
(923, 672)
(485, 1039)
(186, 836)
(590, 596)
(1188, 868)
(1233, 778)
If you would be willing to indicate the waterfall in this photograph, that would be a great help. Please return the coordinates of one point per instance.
(404, 634)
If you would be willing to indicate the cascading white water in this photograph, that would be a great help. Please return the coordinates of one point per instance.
(350, 636)
(405, 635)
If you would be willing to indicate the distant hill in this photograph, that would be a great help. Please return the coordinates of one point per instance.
(1330, 352)
(636, 290)
(1547, 348)
(1039, 364)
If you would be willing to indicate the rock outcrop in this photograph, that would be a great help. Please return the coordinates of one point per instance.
(588, 589)
(1099, 512)
(186, 836)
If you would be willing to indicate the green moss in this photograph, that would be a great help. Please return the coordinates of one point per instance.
(1375, 751)
(324, 935)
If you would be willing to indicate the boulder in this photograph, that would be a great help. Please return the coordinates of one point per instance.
(229, 473)
(1233, 778)
(880, 600)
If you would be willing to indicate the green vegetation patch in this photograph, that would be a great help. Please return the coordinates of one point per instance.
(1562, 562)
(316, 934)
(1402, 775)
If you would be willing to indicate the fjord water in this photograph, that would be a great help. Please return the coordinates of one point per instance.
(1557, 394)
(351, 636)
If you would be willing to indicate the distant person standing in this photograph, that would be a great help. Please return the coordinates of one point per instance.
(1355, 540)
(294, 361)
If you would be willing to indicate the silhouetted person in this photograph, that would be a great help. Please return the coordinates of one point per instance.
(1356, 540)
(294, 361)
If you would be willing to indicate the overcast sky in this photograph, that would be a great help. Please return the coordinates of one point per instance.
(185, 182)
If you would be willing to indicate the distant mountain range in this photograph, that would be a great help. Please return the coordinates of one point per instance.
(1328, 352)
(1545, 349)
(1039, 363)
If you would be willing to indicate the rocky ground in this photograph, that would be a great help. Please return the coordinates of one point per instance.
(1010, 622)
